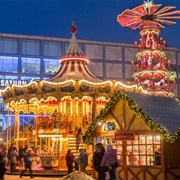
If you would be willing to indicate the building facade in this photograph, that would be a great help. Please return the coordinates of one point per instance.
(24, 58)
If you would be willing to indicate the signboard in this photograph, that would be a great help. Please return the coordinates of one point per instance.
(124, 135)
(7, 82)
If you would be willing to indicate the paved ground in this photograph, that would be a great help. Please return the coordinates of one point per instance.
(16, 177)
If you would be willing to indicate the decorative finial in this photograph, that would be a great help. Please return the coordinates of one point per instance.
(73, 29)
(148, 4)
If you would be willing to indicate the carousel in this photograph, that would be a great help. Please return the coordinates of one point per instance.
(68, 101)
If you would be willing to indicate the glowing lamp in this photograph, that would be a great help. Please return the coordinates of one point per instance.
(132, 65)
(169, 63)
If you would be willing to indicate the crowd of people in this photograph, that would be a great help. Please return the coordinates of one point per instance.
(104, 162)
(11, 157)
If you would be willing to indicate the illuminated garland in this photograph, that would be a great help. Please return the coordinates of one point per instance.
(88, 137)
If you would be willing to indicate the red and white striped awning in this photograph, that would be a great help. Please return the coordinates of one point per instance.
(74, 64)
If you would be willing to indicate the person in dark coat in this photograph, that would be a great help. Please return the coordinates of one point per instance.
(28, 163)
(2, 168)
(9, 152)
(97, 157)
(69, 161)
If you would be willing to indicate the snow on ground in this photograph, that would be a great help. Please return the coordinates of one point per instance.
(77, 175)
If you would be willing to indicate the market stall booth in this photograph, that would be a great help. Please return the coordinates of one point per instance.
(65, 103)
(144, 130)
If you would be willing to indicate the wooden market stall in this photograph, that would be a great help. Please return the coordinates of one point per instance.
(145, 131)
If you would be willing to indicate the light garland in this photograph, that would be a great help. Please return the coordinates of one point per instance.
(119, 95)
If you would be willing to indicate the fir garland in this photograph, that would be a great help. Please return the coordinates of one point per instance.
(88, 137)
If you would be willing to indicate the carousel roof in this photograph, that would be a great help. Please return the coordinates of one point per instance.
(74, 63)
(163, 111)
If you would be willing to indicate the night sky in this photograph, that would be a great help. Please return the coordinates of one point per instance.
(95, 19)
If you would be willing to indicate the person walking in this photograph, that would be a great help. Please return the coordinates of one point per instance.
(20, 154)
(83, 157)
(13, 159)
(69, 161)
(2, 168)
(28, 163)
(9, 152)
(78, 138)
(5, 156)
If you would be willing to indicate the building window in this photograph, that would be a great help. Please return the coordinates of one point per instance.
(8, 45)
(51, 66)
(52, 49)
(30, 65)
(8, 64)
(29, 79)
(2, 106)
(30, 47)
(144, 150)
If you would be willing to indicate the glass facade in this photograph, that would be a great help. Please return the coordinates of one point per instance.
(30, 65)
(51, 66)
(9, 64)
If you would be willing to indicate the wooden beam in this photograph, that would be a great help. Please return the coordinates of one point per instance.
(131, 121)
(111, 113)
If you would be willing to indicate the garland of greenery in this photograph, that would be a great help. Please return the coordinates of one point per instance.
(88, 137)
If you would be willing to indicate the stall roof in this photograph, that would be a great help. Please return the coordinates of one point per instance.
(163, 111)
(161, 114)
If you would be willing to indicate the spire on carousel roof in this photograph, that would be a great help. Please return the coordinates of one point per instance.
(73, 49)
(74, 63)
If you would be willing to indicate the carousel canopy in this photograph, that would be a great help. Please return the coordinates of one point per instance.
(74, 63)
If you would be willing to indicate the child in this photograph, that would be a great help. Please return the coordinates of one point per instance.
(110, 158)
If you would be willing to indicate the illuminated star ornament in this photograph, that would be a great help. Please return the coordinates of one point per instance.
(148, 11)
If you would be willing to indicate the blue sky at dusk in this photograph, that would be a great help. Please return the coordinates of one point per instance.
(95, 19)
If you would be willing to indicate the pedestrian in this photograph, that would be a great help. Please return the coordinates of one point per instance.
(13, 159)
(83, 157)
(5, 156)
(76, 164)
(97, 157)
(9, 152)
(2, 168)
(20, 154)
(28, 163)
(69, 161)
(78, 138)
(110, 158)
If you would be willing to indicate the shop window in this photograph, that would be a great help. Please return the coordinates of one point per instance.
(144, 150)
(52, 49)
(51, 66)
(30, 65)
(8, 45)
(8, 64)
(30, 47)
